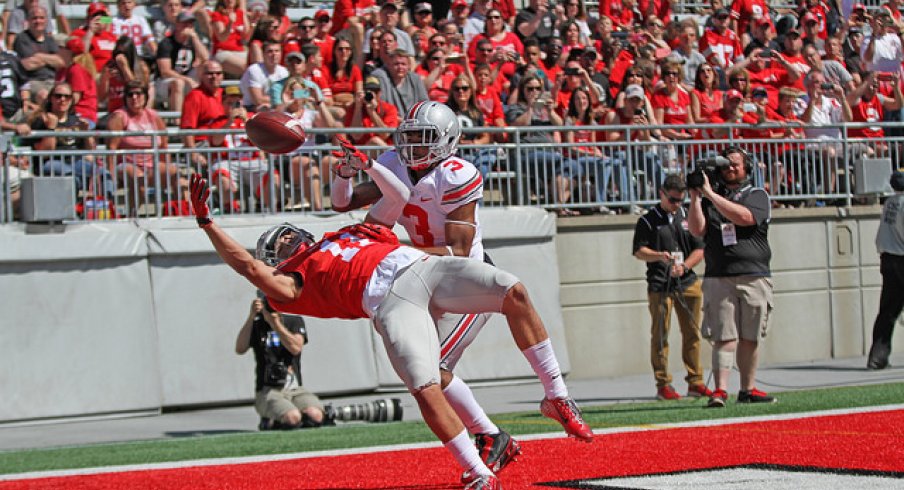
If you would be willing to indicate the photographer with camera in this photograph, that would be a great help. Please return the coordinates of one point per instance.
(732, 217)
(890, 245)
(662, 240)
(370, 111)
(277, 341)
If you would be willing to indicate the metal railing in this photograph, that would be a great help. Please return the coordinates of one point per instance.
(588, 177)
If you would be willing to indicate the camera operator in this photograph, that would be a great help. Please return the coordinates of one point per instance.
(277, 341)
(737, 287)
(662, 240)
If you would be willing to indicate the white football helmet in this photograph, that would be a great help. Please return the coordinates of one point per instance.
(428, 135)
(267, 245)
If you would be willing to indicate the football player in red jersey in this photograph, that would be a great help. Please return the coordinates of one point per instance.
(349, 273)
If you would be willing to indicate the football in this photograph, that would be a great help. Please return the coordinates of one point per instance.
(275, 132)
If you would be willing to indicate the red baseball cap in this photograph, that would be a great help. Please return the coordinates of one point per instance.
(460, 3)
(733, 94)
(321, 14)
(97, 8)
(808, 17)
(858, 6)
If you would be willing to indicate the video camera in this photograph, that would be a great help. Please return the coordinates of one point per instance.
(382, 410)
(712, 167)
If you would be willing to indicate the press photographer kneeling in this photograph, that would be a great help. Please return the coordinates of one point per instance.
(733, 218)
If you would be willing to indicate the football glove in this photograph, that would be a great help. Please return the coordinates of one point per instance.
(199, 194)
(351, 159)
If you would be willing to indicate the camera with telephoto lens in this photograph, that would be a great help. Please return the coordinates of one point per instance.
(382, 410)
(275, 374)
(712, 167)
(368, 96)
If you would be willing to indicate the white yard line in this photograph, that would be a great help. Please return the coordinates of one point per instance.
(403, 447)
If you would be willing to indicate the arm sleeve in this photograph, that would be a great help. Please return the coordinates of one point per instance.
(395, 195)
(341, 191)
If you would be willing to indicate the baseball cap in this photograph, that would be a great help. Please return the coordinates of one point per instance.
(372, 83)
(721, 13)
(793, 32)
(389, 6)
(257, 5)
(633, 91)
(897, 180)
(185, 16)
(321, 14)
(763, 21)
(232, 90)
(459, 3)
(96, 8)
(674, 57)
(808, 17)
(295, 55)
(759, 92)
(858, 6)
(423, 7)
(733, 94)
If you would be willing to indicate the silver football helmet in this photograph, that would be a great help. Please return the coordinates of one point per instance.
(271, 250)
(428, 135)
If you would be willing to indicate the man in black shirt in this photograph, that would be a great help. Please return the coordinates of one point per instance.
(277, 341)
(12, 87)
(536, 21)
(178, 56)
(737, 288)
(662, 240)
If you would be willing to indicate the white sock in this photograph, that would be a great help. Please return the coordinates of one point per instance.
(544, 363)
(465, 452)
(469, 411)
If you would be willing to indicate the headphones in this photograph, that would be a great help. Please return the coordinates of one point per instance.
(748, 160)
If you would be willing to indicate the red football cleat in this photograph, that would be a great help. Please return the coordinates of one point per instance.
(567, 413)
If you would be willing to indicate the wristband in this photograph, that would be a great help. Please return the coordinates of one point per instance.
(450, 250)
(202, 222)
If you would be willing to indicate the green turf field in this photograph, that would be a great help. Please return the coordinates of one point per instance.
(362, 435)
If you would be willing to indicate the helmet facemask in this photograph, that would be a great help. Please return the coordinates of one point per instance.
(281, 242)
(427, 136)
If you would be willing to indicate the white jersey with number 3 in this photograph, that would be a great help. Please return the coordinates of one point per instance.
(450, 185)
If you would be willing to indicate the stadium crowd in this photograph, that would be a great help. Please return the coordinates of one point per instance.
(365, 63)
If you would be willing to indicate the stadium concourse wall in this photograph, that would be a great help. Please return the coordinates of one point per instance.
(107, 317)
(135, 316)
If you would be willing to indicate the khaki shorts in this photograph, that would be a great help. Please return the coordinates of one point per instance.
(737, 307)
(273, 403)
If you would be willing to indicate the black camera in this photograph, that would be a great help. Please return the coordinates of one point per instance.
(382, 410)
(712, 167)
(275, 374)
(368, 96)
(571, 71)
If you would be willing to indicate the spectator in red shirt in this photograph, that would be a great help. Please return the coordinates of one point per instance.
(231, 31)
(507, 47)
(792, 60)
(621, 13)
(343, 76)
(267, 30)
(488, 98)
(95, 35)
(438, 75)
(203, 107)
(720, 45)
(671, 104)
(745, 11)
(370, 111)
(422, 28)
(706, 98)
(771, 73)
(323, 39)
(868, 105)
(810, 32)
(661, 9)
(84, 90)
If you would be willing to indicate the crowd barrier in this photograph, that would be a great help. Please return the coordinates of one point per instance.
(587, 177)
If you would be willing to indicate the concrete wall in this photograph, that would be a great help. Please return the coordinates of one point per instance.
(826, 276)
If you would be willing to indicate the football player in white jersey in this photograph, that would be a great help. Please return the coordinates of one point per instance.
(441, 218)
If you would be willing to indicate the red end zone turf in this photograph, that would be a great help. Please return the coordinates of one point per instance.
(865, 442)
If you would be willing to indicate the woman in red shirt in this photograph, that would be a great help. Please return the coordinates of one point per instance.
(507, 48)
(342, 75)
(231, 32)
(671, 104)
(437, 74)
(706, 99)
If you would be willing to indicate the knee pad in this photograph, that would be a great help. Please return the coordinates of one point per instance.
(722, 359)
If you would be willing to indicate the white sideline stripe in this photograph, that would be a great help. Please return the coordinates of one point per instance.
(425, 445)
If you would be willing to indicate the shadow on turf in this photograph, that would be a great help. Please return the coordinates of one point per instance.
(195, 433)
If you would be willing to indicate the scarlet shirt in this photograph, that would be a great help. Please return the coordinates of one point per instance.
(490, 105)
(387, 112)
(116, 94)
(344, 9)
(81, 81)
(335, 271)
(101, 48)
(234, 41)
(439, 90)
(867, 111)
(344, 84)
(708, 105)
(674, 111)
(201, 110)
(724, 48)
(745, 11)
(661, 9)
(510, 41)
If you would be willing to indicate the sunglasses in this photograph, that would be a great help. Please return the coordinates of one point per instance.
(670, 74)
(343, 48)
(436, 58)
(674, 200)
(737, 79)
(463, 88)
(135, 94)
(62, 96)
(494, 17)
(488, 50)
(306, 27)
(214, 73)
(532, 89)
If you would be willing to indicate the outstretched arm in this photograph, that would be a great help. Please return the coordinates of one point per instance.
(394, 193)
(280, 286)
